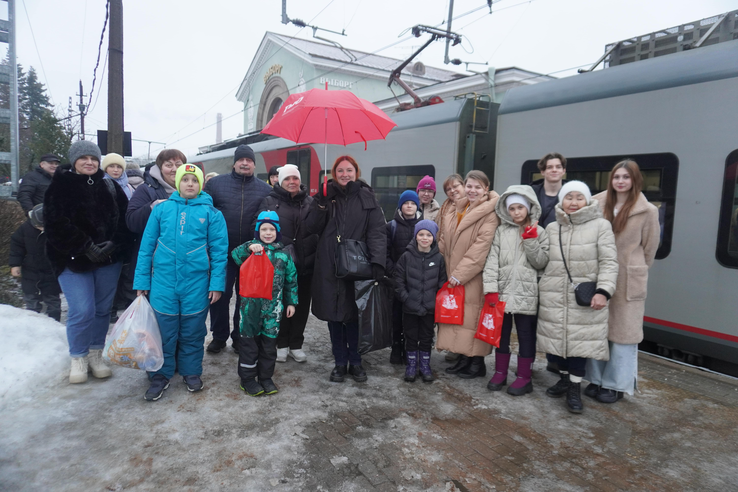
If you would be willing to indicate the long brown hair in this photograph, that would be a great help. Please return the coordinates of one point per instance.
(619, 221)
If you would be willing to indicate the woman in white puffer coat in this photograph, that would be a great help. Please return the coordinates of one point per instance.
(519, 251)
(566, 330)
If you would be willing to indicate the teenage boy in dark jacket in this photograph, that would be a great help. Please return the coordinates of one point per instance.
(419, 274)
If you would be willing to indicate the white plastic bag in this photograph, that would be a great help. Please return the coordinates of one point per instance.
(135, 341)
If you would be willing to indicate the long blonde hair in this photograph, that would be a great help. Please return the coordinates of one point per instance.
(619, 221)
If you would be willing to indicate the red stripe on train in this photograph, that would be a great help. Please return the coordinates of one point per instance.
(691, 329)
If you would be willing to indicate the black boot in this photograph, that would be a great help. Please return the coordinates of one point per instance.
(358, 373)
(574, 398)
(338, 374)
(461, 363)
(608, 395)
(476, 369)
(560, 388)
(396, 356)
(592, 390)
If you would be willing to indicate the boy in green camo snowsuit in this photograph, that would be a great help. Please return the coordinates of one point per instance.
(260, 318)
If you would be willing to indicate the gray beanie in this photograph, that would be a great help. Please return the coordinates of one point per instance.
(81, 148)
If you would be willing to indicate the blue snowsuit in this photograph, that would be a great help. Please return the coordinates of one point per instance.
(183, 255)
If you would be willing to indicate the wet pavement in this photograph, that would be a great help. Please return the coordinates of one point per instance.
(679, 433)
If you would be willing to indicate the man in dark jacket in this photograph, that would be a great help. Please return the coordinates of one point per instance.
(238, 196)
(33, 186)
(553, 167)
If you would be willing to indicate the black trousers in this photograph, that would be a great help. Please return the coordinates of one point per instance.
(573, 365)
(418, 332)
(292, 330)
(36, 293)
(124, 296)
(220, 311)
(397, 320)
(526, 325)
(257, 357)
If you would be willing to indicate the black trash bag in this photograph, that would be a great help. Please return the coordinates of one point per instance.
(374, 301)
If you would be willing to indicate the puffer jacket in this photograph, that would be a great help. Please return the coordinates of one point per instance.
(33, 188)
(28, 251)
(430, 211)
(565, 328)
(238, 198)
(183, 255)
(513, 263)
(418, 278)
(292, 212)
(404, 232)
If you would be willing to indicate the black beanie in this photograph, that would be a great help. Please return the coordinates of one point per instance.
(243, 151)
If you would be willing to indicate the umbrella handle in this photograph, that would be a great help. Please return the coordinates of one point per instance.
(325, 185)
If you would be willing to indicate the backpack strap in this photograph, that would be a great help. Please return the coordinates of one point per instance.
(393, 228)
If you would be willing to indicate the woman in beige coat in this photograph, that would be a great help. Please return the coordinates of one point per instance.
(570, 332)
(464, 244)
(635, 223)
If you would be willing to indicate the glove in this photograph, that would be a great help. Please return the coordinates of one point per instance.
(320, 197)
(99, 253)
(492, 299)
(377, 271)
(530, 232)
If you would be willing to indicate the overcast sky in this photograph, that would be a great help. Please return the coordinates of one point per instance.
(184, 59)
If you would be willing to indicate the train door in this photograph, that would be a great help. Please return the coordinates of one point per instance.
(301, 159)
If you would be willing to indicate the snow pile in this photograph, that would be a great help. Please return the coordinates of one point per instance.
(33, 354)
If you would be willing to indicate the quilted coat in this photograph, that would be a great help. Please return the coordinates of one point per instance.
(465, 248)
(418, 278)
(637, 245)
(513, 263)
(565, 328)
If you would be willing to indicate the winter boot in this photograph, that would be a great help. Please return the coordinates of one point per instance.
(592, 390)
(561, 387)
(338, 374)
(358, 373)
(522, 384)
(476, 369)
(78, 373)
(396, 356)
(100, 370)
(608, 395)
(425, 369)
(158, 384)
(574, 398)
(216, 346)
(461, 364)
(502, 362)
(193, 383)
(411, 369)
(269, 387)
(251, 387)
(282, 354)
(451, 356)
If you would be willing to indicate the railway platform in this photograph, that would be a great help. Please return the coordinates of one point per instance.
(678, 433)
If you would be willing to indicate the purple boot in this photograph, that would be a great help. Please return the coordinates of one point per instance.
(502, 362)
(522, 384)
(411, 369)
(425, 369)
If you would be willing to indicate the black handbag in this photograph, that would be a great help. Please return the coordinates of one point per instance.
(583, 292)
(352, 257)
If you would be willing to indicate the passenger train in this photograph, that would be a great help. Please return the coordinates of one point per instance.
(674, 115)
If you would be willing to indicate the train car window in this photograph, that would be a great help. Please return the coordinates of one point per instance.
(727, 244)
(389, 183)
(301, 159)
(660, 172)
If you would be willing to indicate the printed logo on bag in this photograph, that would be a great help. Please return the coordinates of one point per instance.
(488, 321)
(189, 168)
(449, 302)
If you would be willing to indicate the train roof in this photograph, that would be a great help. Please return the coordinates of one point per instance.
(694, 66)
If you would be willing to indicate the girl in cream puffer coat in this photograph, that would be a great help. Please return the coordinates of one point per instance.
(571, 332)
(519, 251)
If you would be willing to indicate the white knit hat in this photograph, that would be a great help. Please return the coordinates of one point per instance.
(579, 186)
(288, 170)
(516, 198)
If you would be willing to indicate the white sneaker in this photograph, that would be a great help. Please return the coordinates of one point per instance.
(78, 373)
(282, 354)
(100, 370)
(298, 355)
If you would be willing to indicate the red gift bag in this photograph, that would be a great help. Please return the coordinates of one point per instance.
(256, 277)
(489, 329)
(450, 305)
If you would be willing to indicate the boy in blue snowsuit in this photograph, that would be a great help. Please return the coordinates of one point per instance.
(182, 263)
(257, 344)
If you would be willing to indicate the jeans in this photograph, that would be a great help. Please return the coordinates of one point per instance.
(345, 342)
(90, 297)
(526, 325)
(220, 311)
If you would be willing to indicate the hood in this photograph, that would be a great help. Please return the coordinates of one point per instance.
(281, 194)
(201, 199)
(401, 218)
(590, 212)
(412, 247)
(527, 192)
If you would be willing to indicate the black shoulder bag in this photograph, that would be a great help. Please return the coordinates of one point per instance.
(352, 255)
(583, 292)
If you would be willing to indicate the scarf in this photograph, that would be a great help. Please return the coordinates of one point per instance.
(155, 173)
(123, 182)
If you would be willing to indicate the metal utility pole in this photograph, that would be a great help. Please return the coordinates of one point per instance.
(81, 106)
(115, 78)
(9, 75)
(219, 128)
(448, 30)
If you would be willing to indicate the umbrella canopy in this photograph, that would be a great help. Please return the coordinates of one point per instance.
(331, 117)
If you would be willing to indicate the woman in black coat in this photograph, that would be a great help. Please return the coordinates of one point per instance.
(290, 199)
(349, 208)
(87, 241)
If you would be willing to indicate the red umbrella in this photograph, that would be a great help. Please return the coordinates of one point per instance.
(329, 117)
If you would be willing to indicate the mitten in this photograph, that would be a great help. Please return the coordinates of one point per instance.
(530, 232)
(492, 299)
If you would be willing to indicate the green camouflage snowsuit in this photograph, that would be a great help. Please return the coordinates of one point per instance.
(262, 316)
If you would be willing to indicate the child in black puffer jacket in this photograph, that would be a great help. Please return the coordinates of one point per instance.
(419, 274)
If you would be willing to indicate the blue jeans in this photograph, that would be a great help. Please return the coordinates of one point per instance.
(345, 342)
(90, 297)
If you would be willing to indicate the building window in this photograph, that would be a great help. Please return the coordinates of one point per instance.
(727, 242)
(274, 107)
(660, 172)
(301, 159)
(389, 183)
